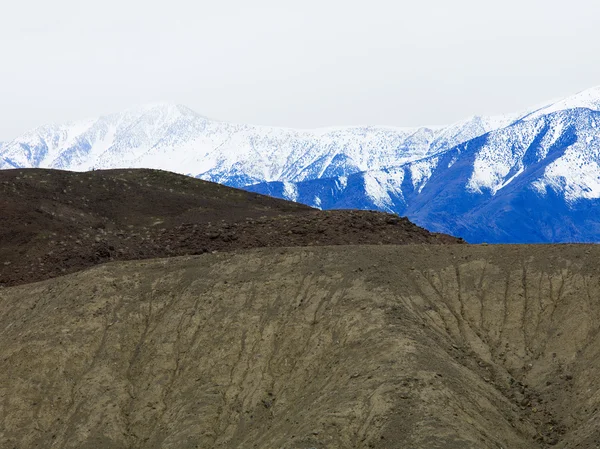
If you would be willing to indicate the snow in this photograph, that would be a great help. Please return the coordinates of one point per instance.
(507, 181)
(468, 129)
(497, 158)
(576, 173)
(175, 138)
(558, 127)
(421, 171)
(380, 184)
(290, 191)
(589, 99)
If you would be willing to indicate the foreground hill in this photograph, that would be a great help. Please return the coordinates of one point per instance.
(424, 346)
(55, 222)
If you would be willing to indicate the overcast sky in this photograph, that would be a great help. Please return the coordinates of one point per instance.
(305, 63)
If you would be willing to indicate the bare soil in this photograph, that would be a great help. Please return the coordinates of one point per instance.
(56, 222)
(416, 346)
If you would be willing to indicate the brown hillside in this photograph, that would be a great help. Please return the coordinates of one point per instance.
(417, 346)
(56, 222)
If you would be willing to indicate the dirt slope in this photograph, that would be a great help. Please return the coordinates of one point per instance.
(56, 222)
(419, 346)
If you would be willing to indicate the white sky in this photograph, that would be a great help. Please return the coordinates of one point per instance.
(304, 63)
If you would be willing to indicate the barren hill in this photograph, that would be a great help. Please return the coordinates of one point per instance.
(417, 346)
(55, 222)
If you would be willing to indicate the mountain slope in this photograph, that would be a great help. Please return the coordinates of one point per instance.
(419, 346)
(537, 180)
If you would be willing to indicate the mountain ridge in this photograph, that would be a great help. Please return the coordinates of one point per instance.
(548, 166)
(55, 222)
(162, 136)
(551, 152)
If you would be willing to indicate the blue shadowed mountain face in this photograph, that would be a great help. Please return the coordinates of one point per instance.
(536, 180)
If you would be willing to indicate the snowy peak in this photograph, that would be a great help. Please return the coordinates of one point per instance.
(587, 99)
(468, 129)
(90, 143)
(175, 138)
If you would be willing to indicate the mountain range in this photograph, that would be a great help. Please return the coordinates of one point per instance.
(533, 176)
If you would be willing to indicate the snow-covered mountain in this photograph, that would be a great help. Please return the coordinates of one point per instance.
(537, 180)
(532, 176)
(176, 138)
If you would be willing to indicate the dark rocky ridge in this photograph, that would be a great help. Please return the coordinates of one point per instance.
(56, 222)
